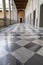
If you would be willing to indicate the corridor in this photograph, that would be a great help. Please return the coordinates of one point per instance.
(21, 32)
(21, 45)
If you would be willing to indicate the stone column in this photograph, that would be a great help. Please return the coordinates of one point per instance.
(13, 9)
(10, 11)
(32, 13)
(38, 13)
(4, 10)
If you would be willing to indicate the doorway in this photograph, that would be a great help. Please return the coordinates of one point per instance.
(30, 18)
(34, 14)
(41, 15)
(20, 20)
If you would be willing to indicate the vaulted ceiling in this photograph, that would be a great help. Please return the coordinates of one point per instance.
(21, 4)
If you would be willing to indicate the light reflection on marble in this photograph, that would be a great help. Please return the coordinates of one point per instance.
(23, 36)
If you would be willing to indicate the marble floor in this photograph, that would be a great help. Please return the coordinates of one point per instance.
(20, 45)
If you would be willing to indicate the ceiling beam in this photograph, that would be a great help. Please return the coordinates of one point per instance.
(20, 0)
(21, 7)
(21, 4)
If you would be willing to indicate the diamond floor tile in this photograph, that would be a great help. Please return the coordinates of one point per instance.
(22, 54)
(15, 34)
(40, 52)
(3, 52)
(33, 47)
(22, 42)
(27, 38)
(35, 60)
(9, 60)
(39, 42)
(12, 47)
(14, 39)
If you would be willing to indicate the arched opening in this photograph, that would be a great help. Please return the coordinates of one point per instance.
(21, 16)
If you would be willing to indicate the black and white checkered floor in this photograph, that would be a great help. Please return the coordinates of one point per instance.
(20, 46)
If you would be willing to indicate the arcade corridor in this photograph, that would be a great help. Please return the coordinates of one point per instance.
(21, 32)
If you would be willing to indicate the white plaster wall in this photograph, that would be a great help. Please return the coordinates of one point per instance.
(31, 6)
